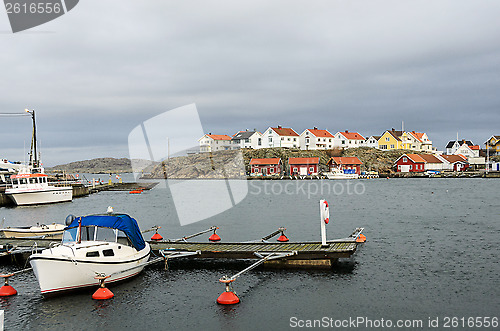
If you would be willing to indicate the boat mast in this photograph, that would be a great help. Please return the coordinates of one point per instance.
(33, 154)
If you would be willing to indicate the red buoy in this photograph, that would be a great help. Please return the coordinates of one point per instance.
(156, 236)
(361, 238)
(283, 238)
(6, 290)
(227, 297)
(214, 237)
(102, 293)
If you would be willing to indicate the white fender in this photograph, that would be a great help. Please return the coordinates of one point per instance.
(324, 210)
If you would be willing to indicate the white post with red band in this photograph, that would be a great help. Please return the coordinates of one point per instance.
(324, 211)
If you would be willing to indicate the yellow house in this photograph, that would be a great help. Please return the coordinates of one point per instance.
(391, 139)
(493, 144)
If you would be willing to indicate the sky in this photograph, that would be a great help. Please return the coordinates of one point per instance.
(99, 71)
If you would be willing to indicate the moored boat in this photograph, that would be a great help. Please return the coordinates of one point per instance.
(339, 174)
(108, 244)
(32, 188)
(53, 231)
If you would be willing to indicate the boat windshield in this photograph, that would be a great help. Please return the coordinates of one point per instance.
(95, 233)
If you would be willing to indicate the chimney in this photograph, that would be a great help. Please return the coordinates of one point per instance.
(315, 128)
(393, 130)
(346, 131)
(210, 133)
(279, 126)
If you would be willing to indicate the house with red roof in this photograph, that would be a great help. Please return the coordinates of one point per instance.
(303, 166)
(454, 162)
(316, 139)
(280, 137)
(346, 139)
(266, 167)
(410, 163)
(432, 162)
(345, 163)
(214, 142)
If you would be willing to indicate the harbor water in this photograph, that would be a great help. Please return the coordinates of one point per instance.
(431, 255)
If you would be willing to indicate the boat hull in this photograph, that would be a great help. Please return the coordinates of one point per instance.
(53, 195)
(58, 274)
(13, 233)
(331, 175)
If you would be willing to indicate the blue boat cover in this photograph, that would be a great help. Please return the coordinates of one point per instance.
(121, 222)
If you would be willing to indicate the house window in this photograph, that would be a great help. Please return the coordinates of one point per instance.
(307, 140)
(282, 138)
(411, 167)
(294, 139)
(405, 159)
(383, 146)
(259, 142)
(392, 146)
(343, 142)
(330, 140)
(386, 138)
(311, 169)
(295, 169)
(319, 139)
(271, 170)
(247, 140)
(270, 139)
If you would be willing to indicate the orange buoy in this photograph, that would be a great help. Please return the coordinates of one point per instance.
(6, 290)
(135, 192)
(227, 297)
(361, 238)
(283, 238)
(214, 237)
(157, 236)
(102, 292)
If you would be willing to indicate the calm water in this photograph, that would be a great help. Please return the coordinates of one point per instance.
(432, 251)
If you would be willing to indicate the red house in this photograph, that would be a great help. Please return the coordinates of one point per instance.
(266, 167)
(459, 162)
(303, 165)
(410, 163)
(345, 163)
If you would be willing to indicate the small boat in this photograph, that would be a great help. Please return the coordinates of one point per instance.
(32, 188)
(53, 231)
(104, 244)
(339, 174)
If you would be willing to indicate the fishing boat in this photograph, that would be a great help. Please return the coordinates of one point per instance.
(96, 245)
(31, 188)
(53, 231)
(341, 174)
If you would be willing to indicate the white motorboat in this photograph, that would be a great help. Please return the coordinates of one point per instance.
(339, 174)
(52, 231)
(31, 188)
(109, 244)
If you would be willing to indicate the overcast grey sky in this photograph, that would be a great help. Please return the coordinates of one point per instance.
(97, 72)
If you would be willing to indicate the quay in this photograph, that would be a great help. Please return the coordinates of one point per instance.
(299, 254)
(81, 190)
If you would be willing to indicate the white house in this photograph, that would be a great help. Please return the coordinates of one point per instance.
(346, 139)
(454, 145)
(280, 137)
(418, 141)
(247, 139)
(468, 151)
(214, 142)
(372, 141)
(316, 139)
